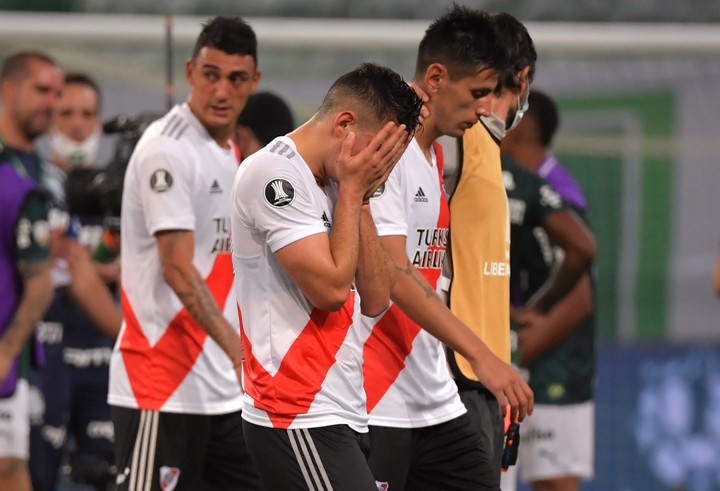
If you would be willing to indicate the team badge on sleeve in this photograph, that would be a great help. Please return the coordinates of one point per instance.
(161, 180)
(279, 193)
(378, 192)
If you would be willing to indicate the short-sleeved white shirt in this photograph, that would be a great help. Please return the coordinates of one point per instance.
(178, 178)
(406, 378)
(302, 366)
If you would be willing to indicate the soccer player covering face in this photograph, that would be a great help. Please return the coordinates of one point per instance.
(173, 386)
(421, 435)
(306, 257)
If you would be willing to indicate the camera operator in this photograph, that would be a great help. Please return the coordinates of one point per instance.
(68, 410)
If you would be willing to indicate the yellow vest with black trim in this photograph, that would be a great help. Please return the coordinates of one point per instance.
(479, 293)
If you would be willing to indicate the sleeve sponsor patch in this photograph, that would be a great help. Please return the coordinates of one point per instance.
(279, 193)
(161, 180)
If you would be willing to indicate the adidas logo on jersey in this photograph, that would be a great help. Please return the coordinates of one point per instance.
(420, 196)
(326, 220)
(215, 188)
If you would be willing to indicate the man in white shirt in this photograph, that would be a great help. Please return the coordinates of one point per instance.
(306, 257)
(173, 376)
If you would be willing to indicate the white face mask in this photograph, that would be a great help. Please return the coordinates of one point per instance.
(521, 110)
(495, 124)
(76, 154)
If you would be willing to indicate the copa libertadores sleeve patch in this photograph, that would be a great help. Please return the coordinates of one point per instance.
(279, 192)
(161, 180)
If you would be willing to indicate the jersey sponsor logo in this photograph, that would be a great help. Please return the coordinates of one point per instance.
(84, 358)
(435, 242)
(161, 180)
(215, 188)
(537, 434)
(378, 192)
(169, 477)
(223, 241)
(420, 196)
(549, 197)
(382, 486)
(517, 211)
(279, 193)
(41, 233)
(326, 220)
(508, 180)
(101, 430)
(496, 268)
(23, 234)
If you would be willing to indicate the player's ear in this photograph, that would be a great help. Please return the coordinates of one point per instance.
(189, 66)
(435, 76)
(344, 121)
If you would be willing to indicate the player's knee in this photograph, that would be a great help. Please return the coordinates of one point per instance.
(10, 466)
(14, 474)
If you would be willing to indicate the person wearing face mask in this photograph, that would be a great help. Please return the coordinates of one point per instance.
(476, 276)
(68, 395)
(75, 137)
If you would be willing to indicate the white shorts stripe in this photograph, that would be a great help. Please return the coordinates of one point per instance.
(299, 458)
(143, 460)
(150, 467)
(317, 459)
(136, 452)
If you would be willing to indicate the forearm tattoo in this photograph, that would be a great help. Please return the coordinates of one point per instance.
(409, 270)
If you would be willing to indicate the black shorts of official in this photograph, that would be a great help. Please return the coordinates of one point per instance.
(485, 415)
(443, 457)
(157, 451)
(310, 459)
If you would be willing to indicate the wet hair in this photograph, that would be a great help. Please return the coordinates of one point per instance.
(232, 35)
(379, 91)
(77, 78)
(464, 41)
(16, 65)
(544, 113)
(519, 49)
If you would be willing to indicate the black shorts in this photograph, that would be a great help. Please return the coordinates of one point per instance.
(446, 456)
(156, 451)
(312, 459)
(485, 415)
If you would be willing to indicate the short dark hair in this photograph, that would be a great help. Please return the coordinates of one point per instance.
(78, 78)
(267, 115)
(544, 113)
(16, 65)
(231, 35)
(464, 41)
(520, 50)
(378, 90)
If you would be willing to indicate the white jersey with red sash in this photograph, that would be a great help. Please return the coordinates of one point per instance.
(178, 178)
(406, 377)
(302, 366)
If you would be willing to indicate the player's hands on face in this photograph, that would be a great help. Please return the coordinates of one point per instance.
(507, 385)
(365, 171)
